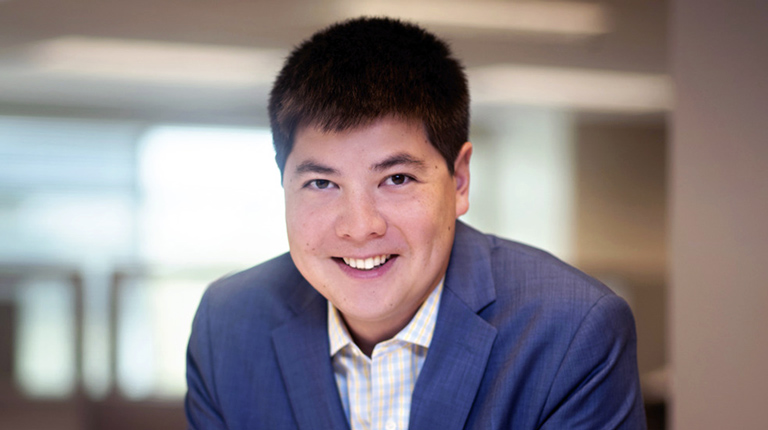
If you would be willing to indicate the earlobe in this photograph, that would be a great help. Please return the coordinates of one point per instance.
(461, 178)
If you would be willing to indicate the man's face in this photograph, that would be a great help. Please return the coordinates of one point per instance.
(371, 217)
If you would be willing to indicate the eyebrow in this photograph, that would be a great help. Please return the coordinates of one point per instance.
(401, 159)
(310, 166)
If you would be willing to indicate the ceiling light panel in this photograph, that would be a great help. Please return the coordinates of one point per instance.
(580, 89)
(566, 18)
(154, 62)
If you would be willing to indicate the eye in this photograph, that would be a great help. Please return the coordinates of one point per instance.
(398, 179)
(320, 184)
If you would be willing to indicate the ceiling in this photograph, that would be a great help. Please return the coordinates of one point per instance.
(76, 57)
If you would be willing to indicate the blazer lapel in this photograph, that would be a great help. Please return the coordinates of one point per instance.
(462, 342)
(454, 367)
(303, 355)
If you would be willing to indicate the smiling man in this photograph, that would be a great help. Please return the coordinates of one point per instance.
(388, 313)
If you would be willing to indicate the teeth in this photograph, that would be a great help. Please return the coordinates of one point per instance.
(368, 263)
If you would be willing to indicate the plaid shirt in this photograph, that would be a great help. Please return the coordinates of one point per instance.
(376, 392)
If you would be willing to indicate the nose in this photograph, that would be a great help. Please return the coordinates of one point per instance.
(359, 218)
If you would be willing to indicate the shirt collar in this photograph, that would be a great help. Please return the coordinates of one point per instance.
(418, 331)
(337, 331)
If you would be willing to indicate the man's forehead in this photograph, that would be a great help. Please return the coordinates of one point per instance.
(344, 126)
(383, 131)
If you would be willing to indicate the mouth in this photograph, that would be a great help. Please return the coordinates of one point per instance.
(369, 263)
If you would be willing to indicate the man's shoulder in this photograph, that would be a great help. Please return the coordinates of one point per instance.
(562, 339)
(522, 275)
(532, 295)
(530, 266)
(271, 290)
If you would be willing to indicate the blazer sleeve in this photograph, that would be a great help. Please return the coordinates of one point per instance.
(201, 404)
(597, 384)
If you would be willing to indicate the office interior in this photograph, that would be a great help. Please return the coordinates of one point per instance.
(136, 167)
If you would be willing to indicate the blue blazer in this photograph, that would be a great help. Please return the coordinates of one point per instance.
(522, 341)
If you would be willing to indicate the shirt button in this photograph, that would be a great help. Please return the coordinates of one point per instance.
(390, 424)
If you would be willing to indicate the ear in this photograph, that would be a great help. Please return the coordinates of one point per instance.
(461, 179)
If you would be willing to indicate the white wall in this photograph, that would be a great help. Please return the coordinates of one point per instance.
(719, 217)
(522, 183)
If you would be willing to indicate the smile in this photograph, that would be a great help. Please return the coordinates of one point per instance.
(367, 263)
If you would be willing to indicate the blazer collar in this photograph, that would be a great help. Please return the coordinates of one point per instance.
(302, 349)
(462, 343)
(469, 273)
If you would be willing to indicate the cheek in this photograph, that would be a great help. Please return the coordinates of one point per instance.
(298, 230)
(306, 228)
(426, 221)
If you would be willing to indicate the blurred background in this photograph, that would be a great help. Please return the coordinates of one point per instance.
(624, 136)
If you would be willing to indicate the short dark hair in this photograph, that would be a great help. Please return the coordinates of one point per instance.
(357, 71)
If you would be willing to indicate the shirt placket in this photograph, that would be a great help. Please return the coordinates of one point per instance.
(386, 375)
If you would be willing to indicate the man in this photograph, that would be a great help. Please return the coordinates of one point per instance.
(389, 313)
